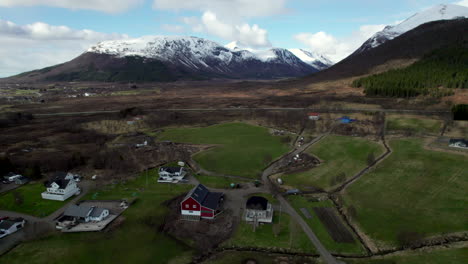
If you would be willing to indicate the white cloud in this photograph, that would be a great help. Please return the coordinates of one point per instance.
(114, 6)
(228, 9)
(38, 45)
(337, 48)
(245, 34)
(462, 3)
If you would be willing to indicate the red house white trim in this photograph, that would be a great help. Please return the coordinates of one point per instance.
(201, 203)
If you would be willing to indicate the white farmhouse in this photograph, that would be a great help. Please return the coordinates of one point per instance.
(8, 227)
(458, 143)
(171, 174)
(61, 187)
(258, 210)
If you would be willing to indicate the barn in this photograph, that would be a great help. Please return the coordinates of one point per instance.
(201, 203)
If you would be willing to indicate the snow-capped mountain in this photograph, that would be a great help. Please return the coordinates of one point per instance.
(314, 59)
(439, 12)
(170, 58)
(197, 55)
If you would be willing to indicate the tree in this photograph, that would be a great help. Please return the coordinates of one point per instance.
(5, 165)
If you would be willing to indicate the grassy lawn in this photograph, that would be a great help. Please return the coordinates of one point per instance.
(413, 124)
(236, 257)
(244, 150)
(341, 155)
(412, 190)
(319, 229)
(137, 240)
(218, 182)
(32, 204)
(452, 256)
(290, 236)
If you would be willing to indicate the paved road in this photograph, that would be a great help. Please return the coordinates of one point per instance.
(324, 110)
(286, 207)
(31, 228)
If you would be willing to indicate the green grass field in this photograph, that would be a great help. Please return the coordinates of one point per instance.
(244, 150)
(319, 229)
(452, 256)
(290, 236)
(137, 240)
(412, 190)
(218, 182)
(416, 125)
(236, 257)
(32, 204)
(341, 154)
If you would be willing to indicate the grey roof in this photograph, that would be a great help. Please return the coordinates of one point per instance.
(212, 200)
(257, 203)
(454, 140)
(97, 211)
(204, 197)
(62, 183)
(6, 224)
(77, 211)
(170, 169)
(199, 193)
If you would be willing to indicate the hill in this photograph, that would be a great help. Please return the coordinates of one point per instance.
(443, 68)
(412, 45)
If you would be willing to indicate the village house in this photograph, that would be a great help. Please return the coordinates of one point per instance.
(61, 187)
(258, 210)
(171, 174)
(76, 214)
(201, 203)
(313, 116)
(8, 227)
(458, 143)
(11, 176)
(21, 180)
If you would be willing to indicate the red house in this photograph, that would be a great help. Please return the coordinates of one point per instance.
(201, 203)
(313, 116)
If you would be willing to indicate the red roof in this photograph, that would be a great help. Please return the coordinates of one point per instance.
(313, 114)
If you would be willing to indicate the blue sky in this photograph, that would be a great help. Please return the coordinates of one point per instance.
(32, 29)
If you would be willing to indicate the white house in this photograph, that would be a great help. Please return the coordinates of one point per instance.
(258, 210)
(171, 174)
(458, 143)
(8, 227)
(81, 214)
(61, 187)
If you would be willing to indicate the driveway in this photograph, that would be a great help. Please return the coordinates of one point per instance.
(36, 226)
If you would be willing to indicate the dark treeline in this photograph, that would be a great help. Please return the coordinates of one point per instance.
(460, 112)
(441, 69)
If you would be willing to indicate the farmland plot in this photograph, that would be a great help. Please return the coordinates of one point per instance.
(334, 225)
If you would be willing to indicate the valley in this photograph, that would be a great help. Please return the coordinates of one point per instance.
(181, 150)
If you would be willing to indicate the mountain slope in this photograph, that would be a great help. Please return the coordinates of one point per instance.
(316, 60)
(439, 12)
(440, 69)
(411, 45)
(162, 58)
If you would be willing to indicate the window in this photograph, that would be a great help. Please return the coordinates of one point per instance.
(186, 206)
(194, 206)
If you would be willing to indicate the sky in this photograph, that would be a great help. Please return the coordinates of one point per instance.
(40, 33)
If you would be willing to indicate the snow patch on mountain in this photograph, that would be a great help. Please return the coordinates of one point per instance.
(439, 12)
(314, 59)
